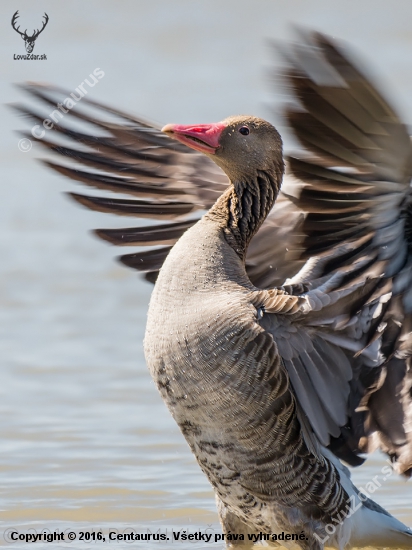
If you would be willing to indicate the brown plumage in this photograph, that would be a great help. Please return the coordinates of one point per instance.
(235, 364)
(261, 380)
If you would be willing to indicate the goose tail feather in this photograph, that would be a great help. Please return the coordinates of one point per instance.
(366, 523)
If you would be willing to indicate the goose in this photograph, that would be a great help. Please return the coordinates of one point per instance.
(274, 365)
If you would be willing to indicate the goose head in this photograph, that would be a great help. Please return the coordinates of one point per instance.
(240, 145)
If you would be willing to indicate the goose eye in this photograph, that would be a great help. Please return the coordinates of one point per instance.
(244, 130)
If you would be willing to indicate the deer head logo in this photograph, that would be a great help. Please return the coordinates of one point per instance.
(28, 40)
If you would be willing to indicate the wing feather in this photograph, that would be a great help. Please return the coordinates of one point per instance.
(346, 208)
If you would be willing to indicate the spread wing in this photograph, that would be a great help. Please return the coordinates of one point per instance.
(351, 213)
(109, 150)
(330, 342)
(355, 191)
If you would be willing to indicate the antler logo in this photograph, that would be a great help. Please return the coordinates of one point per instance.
(28, 40)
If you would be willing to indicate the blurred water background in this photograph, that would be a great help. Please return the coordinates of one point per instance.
(86, 442)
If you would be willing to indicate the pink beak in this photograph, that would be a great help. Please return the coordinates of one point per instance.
(203, 137)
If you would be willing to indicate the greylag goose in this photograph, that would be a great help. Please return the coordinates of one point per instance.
(271, 382)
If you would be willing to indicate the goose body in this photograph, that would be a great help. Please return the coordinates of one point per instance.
(234, 406)
(212, 350)
(274, 365)
(201, 323)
